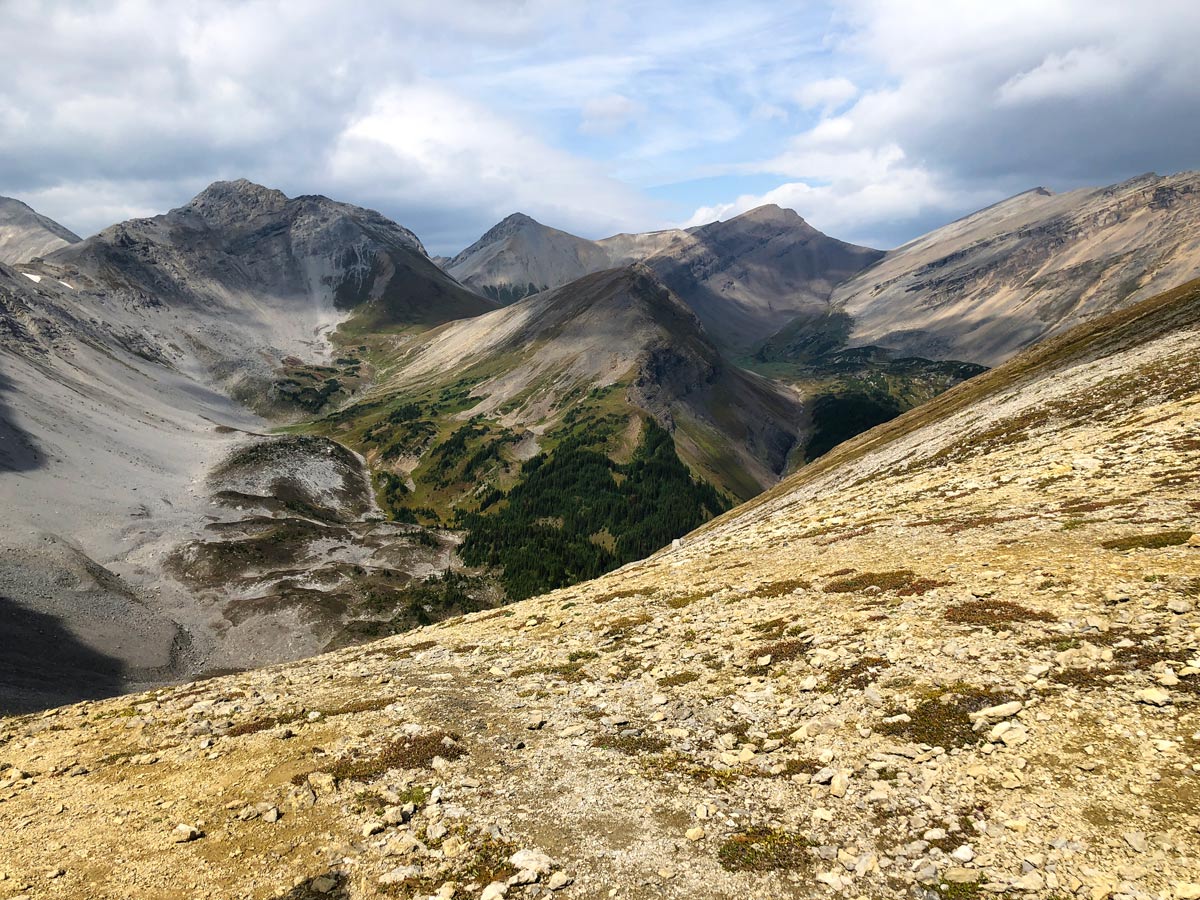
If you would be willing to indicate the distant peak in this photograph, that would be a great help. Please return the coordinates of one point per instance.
(770, 212)
(519, 218)
(241, 196)
(511, 224)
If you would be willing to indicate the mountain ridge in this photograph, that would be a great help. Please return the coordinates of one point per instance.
(26, 234)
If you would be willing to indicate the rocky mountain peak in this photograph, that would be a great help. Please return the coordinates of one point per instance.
(227, 201)
(26, 233)
(770, 212)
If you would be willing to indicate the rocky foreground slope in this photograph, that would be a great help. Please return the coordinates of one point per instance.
(958, 657)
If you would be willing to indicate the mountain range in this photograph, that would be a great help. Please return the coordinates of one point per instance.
(958, 656)
(258, 427)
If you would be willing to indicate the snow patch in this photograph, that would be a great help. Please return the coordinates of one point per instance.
(36, 279)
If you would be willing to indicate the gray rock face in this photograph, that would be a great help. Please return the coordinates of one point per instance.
(119, 358)
(745, 278)
(982, 288)
(520, 256)
(26, 234)
(748, 277)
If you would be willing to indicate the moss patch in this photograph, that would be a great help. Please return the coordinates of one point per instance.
(994, 614)
(942, 716)
(1155, 541)
(406, 753)
(765, 850)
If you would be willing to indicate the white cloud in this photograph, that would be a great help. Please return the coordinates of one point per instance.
(607, 114)
(426, 145)
(827, 93)
(972, 101)
(1078, 72)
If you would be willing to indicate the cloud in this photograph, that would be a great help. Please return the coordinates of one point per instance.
(424, 146)
(879, 115)
(1079, 72)
(829, 94)
(963, 104)
(607, 114)
(112, 108)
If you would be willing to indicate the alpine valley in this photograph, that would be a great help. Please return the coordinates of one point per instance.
(256, 428)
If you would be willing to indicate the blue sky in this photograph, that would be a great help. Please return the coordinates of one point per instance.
(875, 119)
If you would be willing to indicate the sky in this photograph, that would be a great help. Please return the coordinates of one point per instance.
(876, 120)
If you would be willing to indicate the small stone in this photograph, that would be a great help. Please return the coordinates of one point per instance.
(182, 834)
(533, 861)
(323, 784)
(1030, 881)
(372, 827)
(399, 875)
(1187, 890)
(302, 797)
(1136, 840)
(560, 880)
(1003, 711)
(964, 854)
(838, 785)
(1153, 696)
(959, 875)
(397, 815)
(323, 884)
(272, 815)
(695, 834)
(494, 891)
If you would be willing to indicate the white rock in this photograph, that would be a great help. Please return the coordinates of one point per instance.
(533, 861)
(964, 854)
(182, 834)
(1136, 840)
(1153, 696)
(558, 881)
(494, 891)
(1002, 711)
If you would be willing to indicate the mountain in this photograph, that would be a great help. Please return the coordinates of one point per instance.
(131, 366)
(749, 276)
(587, 377)
(25, 234)
(982, 288)
(520, 256)
(282, 271)
(745, 278)
(956, 657)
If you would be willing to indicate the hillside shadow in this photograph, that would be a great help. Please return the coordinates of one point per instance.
(18, 451)
(42, 664)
